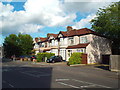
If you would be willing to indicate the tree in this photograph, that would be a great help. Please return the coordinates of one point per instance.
(25, 43)
(11, 46)
(18, 45)
(107, 23)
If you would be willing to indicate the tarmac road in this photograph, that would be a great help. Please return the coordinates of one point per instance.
(27, 75)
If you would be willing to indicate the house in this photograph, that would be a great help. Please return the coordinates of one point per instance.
(77, 40)
(40, 44)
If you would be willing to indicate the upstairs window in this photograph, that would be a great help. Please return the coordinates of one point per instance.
(42, 45)
(71, 41)
(83, 40)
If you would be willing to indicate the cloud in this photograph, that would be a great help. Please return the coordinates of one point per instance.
(31, 27)
(38, 14)
(85, 22)
(72, 6)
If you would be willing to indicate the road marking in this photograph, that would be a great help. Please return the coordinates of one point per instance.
(68, 85)
(11, 85)
(88, 86)
(91, 83)
(30, 73)
(62, 79)
(8, 83)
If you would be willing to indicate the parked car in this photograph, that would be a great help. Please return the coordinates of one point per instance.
(33, 57)
(54, 59)
(25, 57)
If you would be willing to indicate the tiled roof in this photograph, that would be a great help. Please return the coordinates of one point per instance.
(43, 39)
(77, 32)
(78, 46)
(54, 35)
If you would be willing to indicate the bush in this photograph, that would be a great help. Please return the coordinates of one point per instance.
(75, 58)
(48, 55)
(41, 56)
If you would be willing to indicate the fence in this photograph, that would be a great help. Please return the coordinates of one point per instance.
(115, 62)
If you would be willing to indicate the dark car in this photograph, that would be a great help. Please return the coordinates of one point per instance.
(33, 57)
(25, 57)
(54, 59)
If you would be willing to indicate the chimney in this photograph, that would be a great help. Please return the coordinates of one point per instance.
(69, 28)
(36, 39)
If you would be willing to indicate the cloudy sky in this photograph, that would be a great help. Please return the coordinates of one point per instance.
(39, 17)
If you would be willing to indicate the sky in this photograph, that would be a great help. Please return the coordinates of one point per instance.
(39, 17)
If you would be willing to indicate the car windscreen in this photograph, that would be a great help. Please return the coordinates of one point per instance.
(52, 56)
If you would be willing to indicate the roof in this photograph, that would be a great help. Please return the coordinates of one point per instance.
(78, 46)
(43, 39)
(77, 32)
(46, 49)
(51, 34)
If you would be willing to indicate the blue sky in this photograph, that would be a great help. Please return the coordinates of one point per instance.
(39, 17)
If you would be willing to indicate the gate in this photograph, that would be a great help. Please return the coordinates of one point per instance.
(84, 59)
(105, 59)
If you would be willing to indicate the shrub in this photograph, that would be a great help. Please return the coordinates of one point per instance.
(48, 55)
(41, 56)
(75, 58)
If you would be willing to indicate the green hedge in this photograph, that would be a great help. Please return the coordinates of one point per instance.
(41, 56)
(75, 58)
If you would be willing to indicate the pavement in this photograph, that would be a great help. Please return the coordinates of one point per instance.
(18, 74)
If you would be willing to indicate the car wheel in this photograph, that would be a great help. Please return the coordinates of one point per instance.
(53, 61)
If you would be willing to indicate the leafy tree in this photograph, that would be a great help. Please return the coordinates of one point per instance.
(11, 46)
(107, 23)
(18, 45)
(25, 43)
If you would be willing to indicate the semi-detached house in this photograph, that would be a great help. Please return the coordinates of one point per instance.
(75, 40)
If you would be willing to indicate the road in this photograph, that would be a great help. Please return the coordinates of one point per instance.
(28, 75)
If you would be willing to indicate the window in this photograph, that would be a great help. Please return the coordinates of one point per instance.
(83, 40)
(53, 42)
(42, 45)
(36, 46)
(81, 50)
(61, 41)
(71, 41)
(69, 53)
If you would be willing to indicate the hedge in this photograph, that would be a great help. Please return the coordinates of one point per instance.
(75, 58)
(41, 56)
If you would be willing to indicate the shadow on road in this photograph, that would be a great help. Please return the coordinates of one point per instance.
(4, 60)
(104, 67)
(26, 77)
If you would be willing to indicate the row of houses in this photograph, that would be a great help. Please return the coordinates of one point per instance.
(75, 40)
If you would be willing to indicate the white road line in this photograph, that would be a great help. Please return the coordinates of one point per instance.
(62, 79)
(35, 75)
(91, 83)
(68, 85)
(88, 86)
(8, 83)
(11, 85)
(30, 74)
